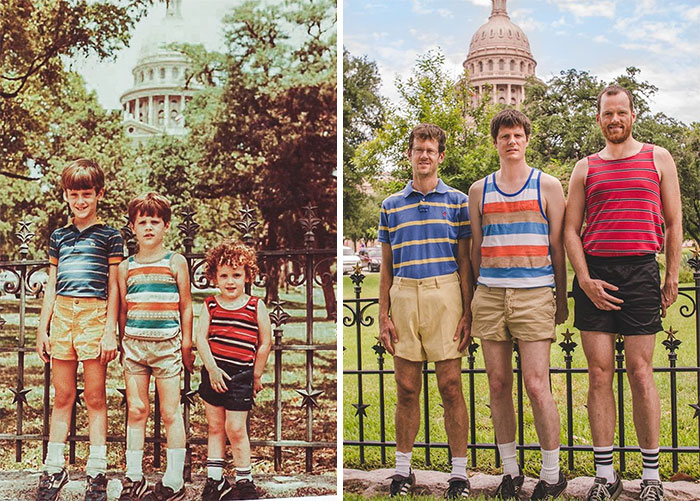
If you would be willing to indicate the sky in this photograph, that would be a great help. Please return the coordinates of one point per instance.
(111, 78)
(603, 37)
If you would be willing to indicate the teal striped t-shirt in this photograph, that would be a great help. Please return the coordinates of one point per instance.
(423, 230)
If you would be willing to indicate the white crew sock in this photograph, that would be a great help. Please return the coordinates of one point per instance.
(97, 461)
(55, 458)
(603, 458)
(244, 473)
(650, 462)
(134, 453)
(173, 470)
(215, 468)
(509, 459)
(403, 463)
(459, 468)
(550, 466)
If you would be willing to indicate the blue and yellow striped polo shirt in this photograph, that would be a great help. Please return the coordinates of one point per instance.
(83, 258)
(423, 230)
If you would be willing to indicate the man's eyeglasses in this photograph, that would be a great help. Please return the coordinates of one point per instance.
(420, 151)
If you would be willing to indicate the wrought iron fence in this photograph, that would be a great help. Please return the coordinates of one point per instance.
(357, 318)
(310, 268)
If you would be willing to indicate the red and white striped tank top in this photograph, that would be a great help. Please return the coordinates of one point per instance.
(233, 334)
(623, 206)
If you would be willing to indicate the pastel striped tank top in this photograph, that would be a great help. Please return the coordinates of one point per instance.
(515, 246)
(152, 300)
(233, 334)
(623, 206)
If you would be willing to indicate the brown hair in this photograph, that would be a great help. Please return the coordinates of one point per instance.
(150, 204)
(425, 132)
(82, 174)
(509, 118)
(612, 90)
(231, 253)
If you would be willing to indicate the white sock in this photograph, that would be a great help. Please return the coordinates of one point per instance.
(244, 474)
(134, 464)
(550, 466)
(173, 470)
(459, 468)
(97, 461)
(403, 463)
(509, 459)
(650, 462)
(55, 458)
(215, 468)
(603, 457)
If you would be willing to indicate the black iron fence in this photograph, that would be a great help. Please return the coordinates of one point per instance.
(306, 269)
(372, 413)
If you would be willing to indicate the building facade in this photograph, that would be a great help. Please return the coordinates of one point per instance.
(499, 56)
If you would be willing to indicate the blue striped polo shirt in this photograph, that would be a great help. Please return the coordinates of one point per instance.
(83, 258)
(423, 230)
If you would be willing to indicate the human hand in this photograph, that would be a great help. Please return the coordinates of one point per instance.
(669, 294)
(188, 357)
(464, 331)
(257, 384)
(43, 347)
(595, 290)
(387, 333)
(218, 379)
(562, 312)
(108, 348)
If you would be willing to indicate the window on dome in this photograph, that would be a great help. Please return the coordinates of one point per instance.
(490, 65)
(141, 77)
(162, 73)
(491, 33)
(510, 34)
(481, 67)
(150, 74)
(522, 67)
(512, 65)
(176, 72)
(501, 65)
(500, 32)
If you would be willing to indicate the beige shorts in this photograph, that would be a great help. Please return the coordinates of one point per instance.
(162, 359)
(503, 314)
(77, 326)
(425, 313)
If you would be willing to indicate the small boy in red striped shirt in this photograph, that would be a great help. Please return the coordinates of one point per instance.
(234, 340)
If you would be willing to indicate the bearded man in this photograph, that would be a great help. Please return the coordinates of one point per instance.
(628, 193)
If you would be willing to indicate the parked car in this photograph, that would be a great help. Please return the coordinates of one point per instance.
(371, 258)
(350, 260)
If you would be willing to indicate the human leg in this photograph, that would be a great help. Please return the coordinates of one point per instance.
(169, 396)
(407, 418)
(449, 380)
(63, 373)
(137, 401)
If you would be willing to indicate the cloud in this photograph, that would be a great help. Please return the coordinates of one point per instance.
(587, 8)
(526, 21)
(600, 39)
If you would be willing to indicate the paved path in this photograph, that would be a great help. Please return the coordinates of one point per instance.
(375, 483)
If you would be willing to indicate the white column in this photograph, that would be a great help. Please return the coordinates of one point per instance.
(508, 94)
(150, 110)
(137, 109)
(182, 110)
(166, 111)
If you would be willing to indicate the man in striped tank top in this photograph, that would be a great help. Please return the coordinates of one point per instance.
(627, 192)
(425, 290)
(155, 320)
(518, 259)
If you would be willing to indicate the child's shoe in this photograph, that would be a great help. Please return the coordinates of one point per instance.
(133, 491)
(50, 485)
(163, 493)
(245, 489)
(217, 490)
(96, 488)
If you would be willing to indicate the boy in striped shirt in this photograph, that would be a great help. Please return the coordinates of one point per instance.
(518, 259)
(155, 319)
(80, 305)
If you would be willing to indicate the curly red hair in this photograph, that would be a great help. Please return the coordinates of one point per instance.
(232, 253)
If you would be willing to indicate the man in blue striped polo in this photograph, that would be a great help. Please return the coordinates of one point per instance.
(425, 292)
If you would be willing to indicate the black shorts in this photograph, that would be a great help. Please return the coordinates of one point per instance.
(637, 278)
(239, 393)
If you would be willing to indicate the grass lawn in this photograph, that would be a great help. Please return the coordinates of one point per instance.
(686, 394)
(262, 415)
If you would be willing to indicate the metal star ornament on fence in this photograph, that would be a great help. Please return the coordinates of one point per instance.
(278, 316)
(20, 394)
(309, 397)
(379, 348)
(697, 409)
(671, 342)
(361, 409)
(24, 235)
(568, 344)
(123, 392)
(78, 392)
(357, 277)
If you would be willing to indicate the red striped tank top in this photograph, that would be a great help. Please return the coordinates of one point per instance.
(233, 334)
(623, 206)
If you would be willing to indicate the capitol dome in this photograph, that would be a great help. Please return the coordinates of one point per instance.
(499, 55)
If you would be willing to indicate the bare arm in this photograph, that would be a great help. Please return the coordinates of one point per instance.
(555, 208)
(264, 346)
(122, 273)
(475, 195)
(216, 375)
(108, 345)
(467, 285)
(575, 207)
(387, 331)
(182, 277)
(673, 218)
(43, 347)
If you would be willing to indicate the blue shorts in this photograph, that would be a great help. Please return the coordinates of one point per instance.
(239, 389)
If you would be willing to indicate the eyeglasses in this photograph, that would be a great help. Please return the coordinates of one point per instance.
(420, 151)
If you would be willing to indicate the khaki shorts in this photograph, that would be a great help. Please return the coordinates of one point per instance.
(503, 314)
(162, 359)
(425, 313)
(77, 326)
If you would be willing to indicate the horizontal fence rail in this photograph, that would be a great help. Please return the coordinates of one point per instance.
(358, 317)
(306, 269)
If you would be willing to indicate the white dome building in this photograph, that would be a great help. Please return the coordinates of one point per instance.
(499, 55)
(154, 105)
